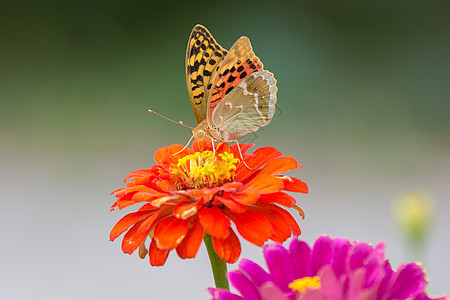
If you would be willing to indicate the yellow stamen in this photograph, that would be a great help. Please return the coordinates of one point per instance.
(300, 285)
(204, 169)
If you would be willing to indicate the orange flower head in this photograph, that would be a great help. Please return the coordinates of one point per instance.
(195, 191)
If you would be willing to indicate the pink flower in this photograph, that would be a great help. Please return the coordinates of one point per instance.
(334, 269)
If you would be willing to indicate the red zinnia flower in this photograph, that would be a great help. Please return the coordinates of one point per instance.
(194, 192)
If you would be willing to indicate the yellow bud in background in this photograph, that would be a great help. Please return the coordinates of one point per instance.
(413, 212)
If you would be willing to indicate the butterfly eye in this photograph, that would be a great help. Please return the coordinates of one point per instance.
(200, 133)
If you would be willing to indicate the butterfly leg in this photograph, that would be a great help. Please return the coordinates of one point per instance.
(240, 153)
(187, 145)
(214, 148)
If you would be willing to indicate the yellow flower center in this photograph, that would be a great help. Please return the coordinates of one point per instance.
(300, 285)
(204, 169)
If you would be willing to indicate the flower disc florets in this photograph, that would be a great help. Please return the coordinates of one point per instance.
(204, 169)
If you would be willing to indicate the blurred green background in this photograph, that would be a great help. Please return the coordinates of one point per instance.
(363, 103)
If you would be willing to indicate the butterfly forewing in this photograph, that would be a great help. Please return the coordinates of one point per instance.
(247, 107)
(203, 57)
(240, 62)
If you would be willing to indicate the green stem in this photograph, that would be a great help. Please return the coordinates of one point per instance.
(219, 267)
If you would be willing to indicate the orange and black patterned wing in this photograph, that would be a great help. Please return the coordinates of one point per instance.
(203, 58)
(239, 63)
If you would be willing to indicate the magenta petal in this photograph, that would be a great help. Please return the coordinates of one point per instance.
(269, 291)
(341, 258)
(424, 296)
(219, 294)
(243, 284)
(280, 265)
(322, 253)
(254, 272)
(331, 286)
(338, 243)
(300, 254)
(314, 295)
(385, 283)
(356, 283)
(375, 271)
(359, 255)
(409, 282)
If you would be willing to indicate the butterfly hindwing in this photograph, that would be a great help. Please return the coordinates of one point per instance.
(247, 107)
(203, 57)
(240, 62)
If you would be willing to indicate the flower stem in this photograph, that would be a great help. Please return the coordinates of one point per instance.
(219, 267)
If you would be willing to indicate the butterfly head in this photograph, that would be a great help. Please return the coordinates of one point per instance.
(205, 131)
(198, 133)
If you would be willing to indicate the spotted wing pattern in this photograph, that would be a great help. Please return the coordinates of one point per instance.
(239, 63)
(249, 106)
(203, 57)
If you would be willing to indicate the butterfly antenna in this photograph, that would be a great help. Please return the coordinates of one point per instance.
(187, 145)
(179, 122)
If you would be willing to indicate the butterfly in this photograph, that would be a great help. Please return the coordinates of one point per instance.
(230, 93)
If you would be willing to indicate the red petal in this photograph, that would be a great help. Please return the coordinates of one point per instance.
(146, 196)
(124, 195)
(133, 239)
(166, 155)
(279, 198)
(147, 206)
(279, 165)
(295, 229)
(214, 222)
(230, 203)
(157, 256)
(300, 211)
(231, 186)
(138, 173)
(117, 190)
(127, 221)
(281, 228)
(191, 243)
(227, 249)
(265, 184)
(147, 180)
(123, 201)
(255, 161)
(114, 206)
(253, 226)
(247, 197)
(149, 222)
(206, 193)
(242, 147)
(124, 204)
(223, 147)
(142, 188)
(202, 145)
(170, 232)
(292, 184)
(186, 209)
(166, 186)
